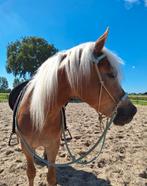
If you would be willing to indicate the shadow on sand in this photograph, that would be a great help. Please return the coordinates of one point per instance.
(72, 177)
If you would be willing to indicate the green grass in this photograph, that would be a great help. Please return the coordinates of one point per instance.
(4, 97)
(138, 99)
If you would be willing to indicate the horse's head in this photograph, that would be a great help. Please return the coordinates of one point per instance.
(102, 90)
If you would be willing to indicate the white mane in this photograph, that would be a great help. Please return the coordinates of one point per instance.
(44, 85)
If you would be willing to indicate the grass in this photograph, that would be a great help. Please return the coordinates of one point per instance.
(4, 97)
(138, 99)
(139, 102)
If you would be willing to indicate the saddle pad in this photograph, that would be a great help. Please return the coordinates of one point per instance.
(15, 93)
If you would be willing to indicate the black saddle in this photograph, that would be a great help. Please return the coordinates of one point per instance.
(15, 93)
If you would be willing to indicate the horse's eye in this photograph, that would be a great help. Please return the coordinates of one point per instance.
(111, 75)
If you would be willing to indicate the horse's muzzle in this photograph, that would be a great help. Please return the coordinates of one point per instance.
(125, 113)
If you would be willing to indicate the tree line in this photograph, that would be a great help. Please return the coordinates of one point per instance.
(24, 57)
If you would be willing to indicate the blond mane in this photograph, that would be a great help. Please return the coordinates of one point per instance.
(44, 85)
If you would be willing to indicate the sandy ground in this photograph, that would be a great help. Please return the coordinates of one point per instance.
(123, 161)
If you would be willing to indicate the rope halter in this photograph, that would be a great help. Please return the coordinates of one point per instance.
(102, 86)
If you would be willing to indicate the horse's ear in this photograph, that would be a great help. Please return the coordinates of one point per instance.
(99, 44)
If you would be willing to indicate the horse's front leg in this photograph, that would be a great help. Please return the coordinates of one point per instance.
(51, 152)
(31, 171)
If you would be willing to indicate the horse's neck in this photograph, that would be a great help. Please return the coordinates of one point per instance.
(64, 92)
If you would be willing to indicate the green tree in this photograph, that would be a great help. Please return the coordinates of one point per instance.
(3, 84)
(26, 55)
(16, 82)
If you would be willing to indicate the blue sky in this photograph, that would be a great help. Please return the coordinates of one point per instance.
(68, 23)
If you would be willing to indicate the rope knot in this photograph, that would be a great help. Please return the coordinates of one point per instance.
(102, 82)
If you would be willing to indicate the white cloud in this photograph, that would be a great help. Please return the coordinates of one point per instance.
(130, 3)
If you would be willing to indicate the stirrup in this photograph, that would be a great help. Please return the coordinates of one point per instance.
(11, 138)
(68, 135)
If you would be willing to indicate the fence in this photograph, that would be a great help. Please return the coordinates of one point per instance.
(138, 99)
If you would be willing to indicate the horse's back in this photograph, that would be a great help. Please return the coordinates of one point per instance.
(15, 93)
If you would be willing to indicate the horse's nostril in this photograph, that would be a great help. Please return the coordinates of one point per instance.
(131, 111)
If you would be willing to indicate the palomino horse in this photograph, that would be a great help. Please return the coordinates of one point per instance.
(88, 71)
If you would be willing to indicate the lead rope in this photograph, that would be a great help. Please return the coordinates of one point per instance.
(100, 140)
